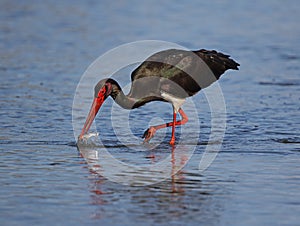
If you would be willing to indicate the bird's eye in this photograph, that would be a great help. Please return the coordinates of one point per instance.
(102, 91)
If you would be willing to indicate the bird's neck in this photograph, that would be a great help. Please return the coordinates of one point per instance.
(120, 98)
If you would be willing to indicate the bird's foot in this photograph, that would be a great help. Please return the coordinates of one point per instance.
(148, 134)
(172, 141)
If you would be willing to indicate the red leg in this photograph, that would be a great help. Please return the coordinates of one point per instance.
(149, 133)
(172, 141)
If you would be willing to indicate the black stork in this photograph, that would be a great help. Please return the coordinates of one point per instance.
(171, 76)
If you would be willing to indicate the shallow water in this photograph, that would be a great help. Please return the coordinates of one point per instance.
(254, 180)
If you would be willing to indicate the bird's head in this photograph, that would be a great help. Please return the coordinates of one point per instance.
(102, 90)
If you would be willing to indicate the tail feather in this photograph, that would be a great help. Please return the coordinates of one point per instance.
(218, 62)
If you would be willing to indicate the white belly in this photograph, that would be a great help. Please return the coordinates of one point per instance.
(176, 102)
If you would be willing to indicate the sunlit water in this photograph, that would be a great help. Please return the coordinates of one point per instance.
(255, 179)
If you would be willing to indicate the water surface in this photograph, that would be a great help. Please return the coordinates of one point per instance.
(45, 48)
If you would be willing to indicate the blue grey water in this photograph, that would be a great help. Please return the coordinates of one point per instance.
(45, 46)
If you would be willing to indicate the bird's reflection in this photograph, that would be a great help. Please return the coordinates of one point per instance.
(172, 197)
(177, 175)
(172, 172)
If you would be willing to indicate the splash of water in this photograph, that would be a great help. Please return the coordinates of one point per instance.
(89, 139)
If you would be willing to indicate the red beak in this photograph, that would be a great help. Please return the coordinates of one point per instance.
(98, 101)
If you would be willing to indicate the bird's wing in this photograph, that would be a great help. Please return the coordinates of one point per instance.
(158, 64)
(179, 72)
(175, 70)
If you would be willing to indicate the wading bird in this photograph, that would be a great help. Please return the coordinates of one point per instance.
(171, 76)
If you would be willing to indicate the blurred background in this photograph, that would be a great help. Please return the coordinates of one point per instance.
(45, 46)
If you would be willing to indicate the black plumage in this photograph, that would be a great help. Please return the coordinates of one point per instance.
(190, 70)
(170, 75)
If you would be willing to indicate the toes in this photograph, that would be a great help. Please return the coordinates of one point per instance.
(148, 134)
(172, 141)
(145, 135)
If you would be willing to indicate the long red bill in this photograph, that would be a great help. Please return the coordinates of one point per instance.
(91, 116)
